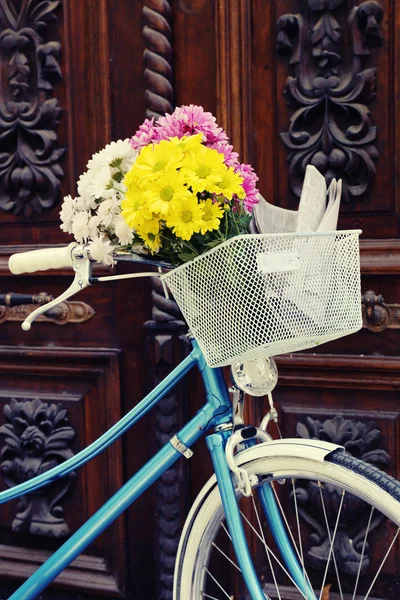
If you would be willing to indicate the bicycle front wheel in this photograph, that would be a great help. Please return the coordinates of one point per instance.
(342, 521)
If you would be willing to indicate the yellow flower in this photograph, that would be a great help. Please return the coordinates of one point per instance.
(187, 219)
(212, 213)
(154, 160)
(131, 204)
(202, 167)
(134, 208)
(149, 231)
(229, 184)
(187, 142)
(166, 193)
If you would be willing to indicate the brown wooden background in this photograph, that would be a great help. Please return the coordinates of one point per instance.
(89, 71)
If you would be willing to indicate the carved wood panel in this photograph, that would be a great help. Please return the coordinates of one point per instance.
(51, 405)
(324, 94)
(118, 60)
(335, 399)
(49, 93)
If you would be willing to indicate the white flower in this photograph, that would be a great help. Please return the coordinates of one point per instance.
(85, 203)
(101, 250)
(67, 213)
(111, 205)
(93, 226)
(94, 184)
(112, 153)
(123, 232)
(80, 227)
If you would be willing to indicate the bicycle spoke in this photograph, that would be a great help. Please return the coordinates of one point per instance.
(382, 563)
(362, 552)
(226, 556)
(331, 541)
(265, 546)
(218, 584)
(208, 596)
(288, 529)
(299, 533)
(274, 556)
(226, 530)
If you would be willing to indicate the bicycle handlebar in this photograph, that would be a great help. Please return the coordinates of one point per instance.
(75, 256)
(41, 260)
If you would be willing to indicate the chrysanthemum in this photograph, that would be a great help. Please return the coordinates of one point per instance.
(146, 134)
(230, 156)
(122, 230)
(212, 214)
(166, 193)
(229, 184)
(249, 185)
(116, 154)
(101, 250)
(131, 204)
(67, 213)
(187, 219)
(96, 183)
(80, 227)
(170, 126)
(187, 143)
(149, 231)
(202, 168)
(156, 159)
(107, 210)
(197, 120)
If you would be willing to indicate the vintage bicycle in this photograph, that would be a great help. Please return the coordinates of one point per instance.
(247, 534)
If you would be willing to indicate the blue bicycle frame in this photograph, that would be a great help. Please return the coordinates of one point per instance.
(216, 411)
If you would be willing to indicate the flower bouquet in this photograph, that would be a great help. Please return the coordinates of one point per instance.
(173, 191)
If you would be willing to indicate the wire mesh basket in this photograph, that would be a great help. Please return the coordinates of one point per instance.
(270, 294)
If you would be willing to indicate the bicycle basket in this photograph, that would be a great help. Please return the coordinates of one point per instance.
(270, 294)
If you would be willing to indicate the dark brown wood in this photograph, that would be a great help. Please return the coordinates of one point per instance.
(157, 58)
(30, 170)
(118, 60)
(81, 382)
(234, 74)
(330, 126)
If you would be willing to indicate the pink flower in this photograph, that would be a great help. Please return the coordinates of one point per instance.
(249, 185)
(199, 121)
(190, 120)
(146, 134)
(169, 126)
(230, 157)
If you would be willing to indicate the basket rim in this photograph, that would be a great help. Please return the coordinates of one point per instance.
(264, 235)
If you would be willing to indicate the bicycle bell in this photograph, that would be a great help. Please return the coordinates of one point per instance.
(256, 377)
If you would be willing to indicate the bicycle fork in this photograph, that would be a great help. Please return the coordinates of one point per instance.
(216, 444)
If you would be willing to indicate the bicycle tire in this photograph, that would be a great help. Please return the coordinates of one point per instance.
(365, 487)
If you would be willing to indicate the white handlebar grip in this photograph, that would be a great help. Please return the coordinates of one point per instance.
(41, 260)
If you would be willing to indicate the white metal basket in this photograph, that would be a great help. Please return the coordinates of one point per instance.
(270, 294)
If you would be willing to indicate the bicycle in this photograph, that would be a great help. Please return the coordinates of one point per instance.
(253, 472)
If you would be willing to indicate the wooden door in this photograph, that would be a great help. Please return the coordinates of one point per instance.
(76, 74)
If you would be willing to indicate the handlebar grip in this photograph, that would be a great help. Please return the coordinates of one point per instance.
(41, 260)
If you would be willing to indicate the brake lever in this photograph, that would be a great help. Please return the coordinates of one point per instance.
(83, 269)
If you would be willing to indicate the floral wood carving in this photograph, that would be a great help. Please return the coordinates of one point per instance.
(30, 172)
(330, 92)
(37, 437)
(362, 441)
(159, 93)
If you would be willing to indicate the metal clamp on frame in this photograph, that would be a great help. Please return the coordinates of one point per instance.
(180, 447)
(245, 481)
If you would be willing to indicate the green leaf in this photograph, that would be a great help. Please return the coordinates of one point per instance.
(213, 243)
(186, 256)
